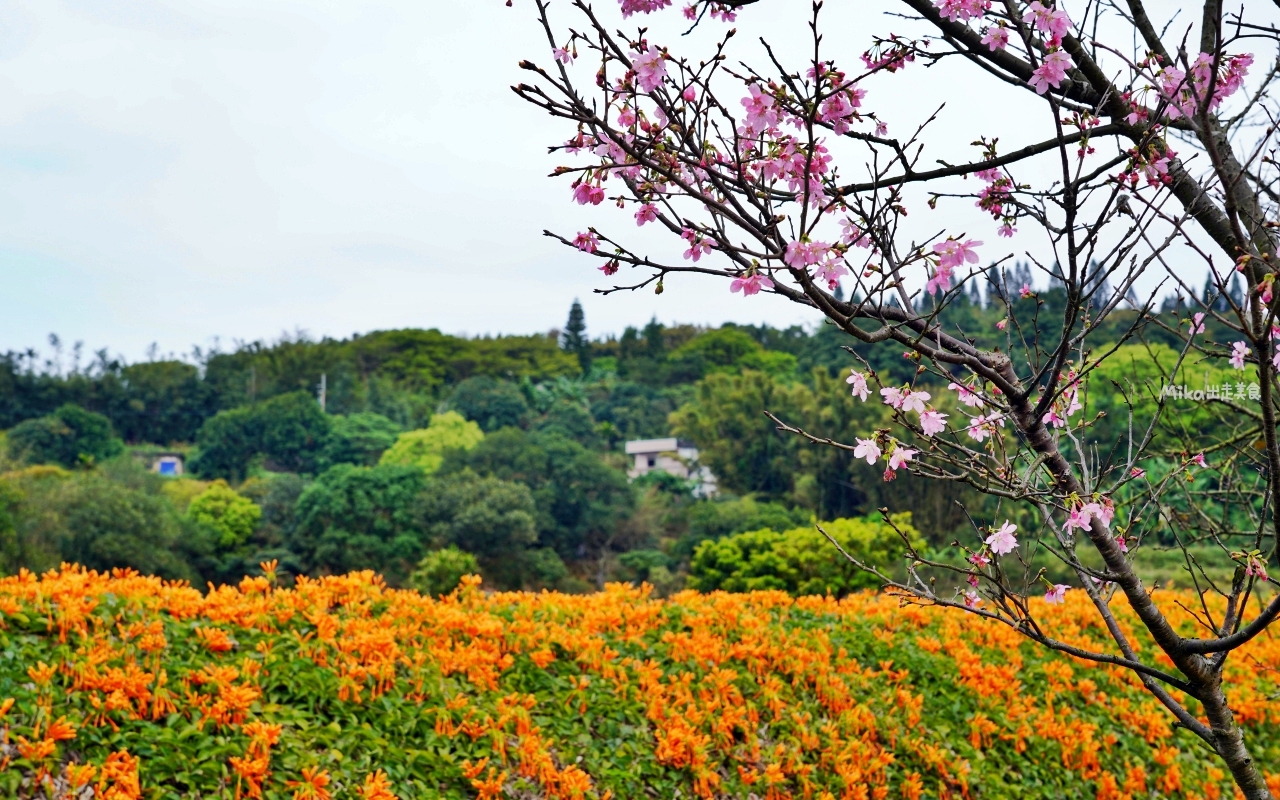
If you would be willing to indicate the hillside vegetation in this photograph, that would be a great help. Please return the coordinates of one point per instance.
(508, 449)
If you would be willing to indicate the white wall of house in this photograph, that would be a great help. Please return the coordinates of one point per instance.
(673, 457)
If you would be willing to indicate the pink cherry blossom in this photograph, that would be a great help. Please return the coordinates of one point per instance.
(1137, 472)
(979, 429)
(831, 271)
(967, 395)
(1078, 518)
(1238, 351)
(868, 449)
(698, 245)
(1006, 230)
(650, 67)
(941, 280)
(1002, 324)
(1198, 458)
(1052, 418)
(799, 255)
(610, 267)
(953, 253)
(893, 396)
(1256, 567)
(752, 284)
(588, 194)
(1122, 543)
(900, 456)
(761, 108)
(971, 599)
(1197, 323)
(1052, 21)
(915, 402)
(647, 213)
(931, 422)
(853, 235)
(979, 559)
(562, 55)
(972, 580)
(587, 242)
(1003, 542)
(689, 94)
(1051, 72)
(1025, 291)
(996, 38)
(1057, 594)
(691, 12)
(630, 7)
(962, 10)
(859, 383)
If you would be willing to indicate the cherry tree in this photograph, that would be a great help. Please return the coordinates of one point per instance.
(1154, 166)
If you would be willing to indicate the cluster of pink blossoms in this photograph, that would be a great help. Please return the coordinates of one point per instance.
(1002, 542)
(890, 55)
(904, 399)
(826, 261)
(650, 68)
(1152, 167)
(995, 198)
(951, 254)
(1065, 406)
(718, 11)
(630, 7)
(1186, 93)
(750, 284)
(1104, 509)
(698, 245)
(962, 10)
(840, 109)
(1238, 352)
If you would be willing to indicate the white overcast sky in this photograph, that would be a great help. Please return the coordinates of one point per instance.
(175, 171)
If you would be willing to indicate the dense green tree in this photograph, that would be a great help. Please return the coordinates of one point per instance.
(230, 517)
(102, 524)
(288, 430)
(726, 349)
(727, 515)
(580, 499)
(635, 410)
(426, 448)
(440, 571)
(574, 337)
(226, 443)
(360, 518)
(70, 436)
(293, 430)
(572, 418)
(492, 518)
(359, 438)
(12, 555)
(161, 402)
(800, 561)
(735, 439)
(490, 403)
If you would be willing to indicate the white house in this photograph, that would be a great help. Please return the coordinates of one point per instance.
(673, 457)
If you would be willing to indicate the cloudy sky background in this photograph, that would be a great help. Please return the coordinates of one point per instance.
(176, 171)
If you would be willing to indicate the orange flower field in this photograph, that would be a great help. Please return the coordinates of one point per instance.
(343, 688)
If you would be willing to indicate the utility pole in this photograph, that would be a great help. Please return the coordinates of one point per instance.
(323, 390)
